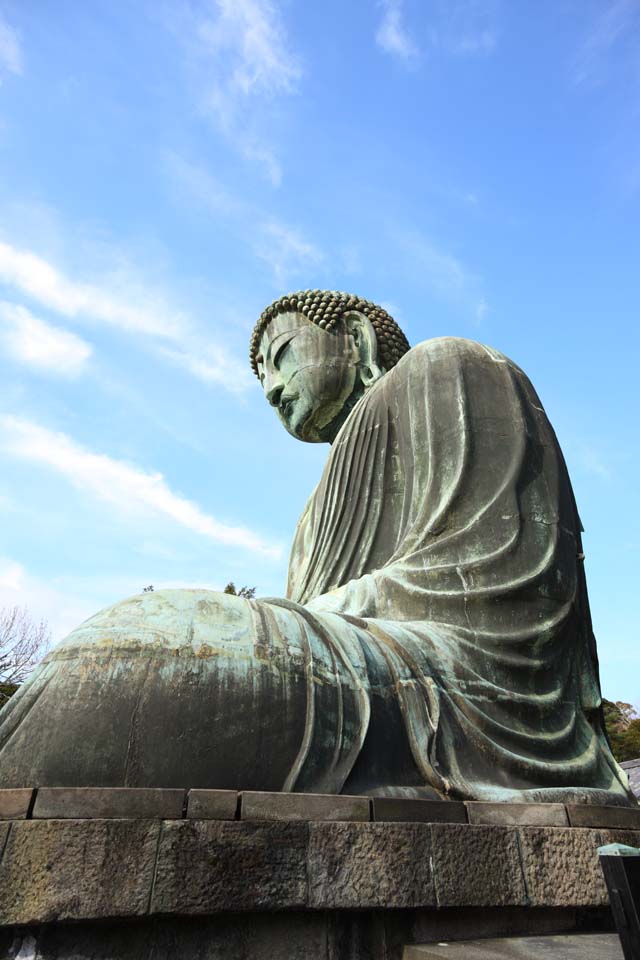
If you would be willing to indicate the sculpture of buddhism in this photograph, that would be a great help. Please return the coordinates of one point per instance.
(435, 640)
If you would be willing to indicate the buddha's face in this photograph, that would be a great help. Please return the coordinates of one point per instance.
(309, 376)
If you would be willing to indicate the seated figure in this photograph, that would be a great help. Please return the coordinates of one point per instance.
(435, 640)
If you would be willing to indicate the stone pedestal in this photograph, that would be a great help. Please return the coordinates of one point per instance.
(314, 878)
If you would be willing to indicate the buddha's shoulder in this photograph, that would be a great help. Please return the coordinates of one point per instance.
(453, 350)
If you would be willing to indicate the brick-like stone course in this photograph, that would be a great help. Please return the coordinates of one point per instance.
(15, 803)
(357, 865)
(518, 814)
(399, 809)
(588, 815)
(76, 869)
(207, 866)
(212, 804)
(477, 866)
(303, 806)
(80, 803)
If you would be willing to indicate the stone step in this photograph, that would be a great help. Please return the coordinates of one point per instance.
(208, 804)
(585, 946)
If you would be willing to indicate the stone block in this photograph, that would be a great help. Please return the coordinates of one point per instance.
(14, 803)
(358, 865)
(518, 814)
(212, 804)
(208, 866)
(303, 806)
(76, 869)
(477, 866)
(561, 867)
(129, 803)
(591, 815)
(421, 811)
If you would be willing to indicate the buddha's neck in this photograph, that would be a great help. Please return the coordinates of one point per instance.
(334, 428)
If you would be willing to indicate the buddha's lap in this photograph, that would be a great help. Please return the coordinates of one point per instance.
(160, 700)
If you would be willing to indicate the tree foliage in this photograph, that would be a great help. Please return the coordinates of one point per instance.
(623, 727)
(247, 592)
(23, 643)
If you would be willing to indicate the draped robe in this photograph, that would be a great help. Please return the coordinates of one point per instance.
(435, 641)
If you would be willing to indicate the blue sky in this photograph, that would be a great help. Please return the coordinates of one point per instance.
(167, 169)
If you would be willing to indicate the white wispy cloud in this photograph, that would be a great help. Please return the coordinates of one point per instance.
(203, 187)
(10, 48)
(453, 27)
(283, 247)
(39, 280)
(392, 35)
(31, 341)
(468, 28)
(248, 41)
(124, 486)
(241, 54)
(615, 27)
(442, 273)
(482, 42)
(212, 364)
(286, 251)
(135, 311)
(482, 308)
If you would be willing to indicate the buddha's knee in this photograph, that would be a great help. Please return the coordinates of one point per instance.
(171, 688)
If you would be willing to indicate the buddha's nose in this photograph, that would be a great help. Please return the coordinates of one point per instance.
(274, 392)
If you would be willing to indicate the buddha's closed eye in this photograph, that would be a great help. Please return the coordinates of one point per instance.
(281, 353)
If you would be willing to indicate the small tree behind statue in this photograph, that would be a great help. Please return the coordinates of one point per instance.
(247, 592)
(23, 643)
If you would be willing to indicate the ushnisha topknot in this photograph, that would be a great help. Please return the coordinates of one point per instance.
(326, 308)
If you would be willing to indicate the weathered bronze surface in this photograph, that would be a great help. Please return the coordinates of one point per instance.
(435, 641)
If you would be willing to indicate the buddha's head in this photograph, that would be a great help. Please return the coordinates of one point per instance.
(316, 353)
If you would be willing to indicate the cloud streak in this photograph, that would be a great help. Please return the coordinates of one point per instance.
(38, 279)
(282, 247)
(10, 49)
(248, 41)
(615, 26)
(31, 341)
(442, 273)
(240, 53)
(392, 35)
(468, 28)
(136, 312)
(123, 486)
(460, 28)
(286, 251)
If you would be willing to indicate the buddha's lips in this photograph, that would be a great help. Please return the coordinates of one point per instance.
(285, 406)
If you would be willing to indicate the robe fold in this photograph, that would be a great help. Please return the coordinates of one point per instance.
(435, 641)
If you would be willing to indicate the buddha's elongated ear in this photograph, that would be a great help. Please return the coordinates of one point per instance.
(366, 342)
